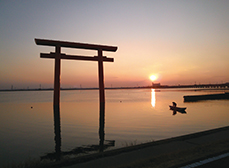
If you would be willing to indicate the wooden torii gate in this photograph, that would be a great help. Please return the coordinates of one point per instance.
(58, 56)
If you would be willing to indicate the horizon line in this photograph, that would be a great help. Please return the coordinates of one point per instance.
(221, 85)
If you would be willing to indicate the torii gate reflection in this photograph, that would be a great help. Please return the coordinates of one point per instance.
(56, 98)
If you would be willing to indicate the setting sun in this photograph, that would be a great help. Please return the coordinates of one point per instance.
(153, 77)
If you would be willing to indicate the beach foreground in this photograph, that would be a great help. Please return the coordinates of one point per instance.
(173, 152)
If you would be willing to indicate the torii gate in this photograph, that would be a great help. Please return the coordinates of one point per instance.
(58, 56)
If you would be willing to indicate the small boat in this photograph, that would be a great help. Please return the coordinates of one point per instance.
(177, 108)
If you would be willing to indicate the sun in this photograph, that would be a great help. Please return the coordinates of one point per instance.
(153, 77)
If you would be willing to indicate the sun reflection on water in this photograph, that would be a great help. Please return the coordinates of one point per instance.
(153, 98)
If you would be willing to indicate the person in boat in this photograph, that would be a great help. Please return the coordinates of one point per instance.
(174, 111)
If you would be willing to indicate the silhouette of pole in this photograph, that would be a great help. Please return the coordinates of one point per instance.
(101, 100)
(56, 104)
(101, 77)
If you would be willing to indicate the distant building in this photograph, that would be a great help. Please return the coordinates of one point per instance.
(156, 84)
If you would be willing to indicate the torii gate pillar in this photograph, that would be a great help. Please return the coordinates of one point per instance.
(56, 96)
(101, 77)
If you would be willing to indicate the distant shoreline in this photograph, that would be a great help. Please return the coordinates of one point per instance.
(224, 86)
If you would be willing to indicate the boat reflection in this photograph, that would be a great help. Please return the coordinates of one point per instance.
(153, 98)
(58, 154)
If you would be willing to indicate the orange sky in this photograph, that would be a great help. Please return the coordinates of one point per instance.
(183, 42)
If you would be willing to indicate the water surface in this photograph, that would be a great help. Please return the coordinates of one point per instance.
(132, 116)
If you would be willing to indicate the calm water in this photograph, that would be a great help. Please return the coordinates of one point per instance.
(131, 116)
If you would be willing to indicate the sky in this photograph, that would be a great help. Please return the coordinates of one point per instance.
(180, 42)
